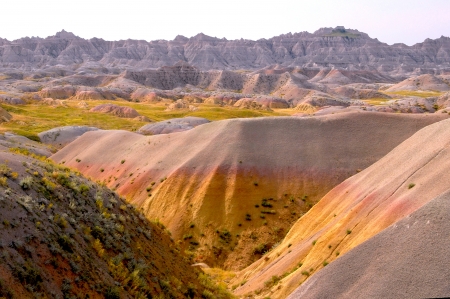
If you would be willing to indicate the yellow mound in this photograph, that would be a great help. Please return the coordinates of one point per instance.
(230, 190)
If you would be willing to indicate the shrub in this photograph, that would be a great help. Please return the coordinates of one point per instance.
(411, 185)
(112, 293)
(265, 203)
(26, 183)
(98, 247)
(84, 189)
(187, 236)
(225, 235)
(261, 248)
(3, 182)
(272, 281)
(66, 243)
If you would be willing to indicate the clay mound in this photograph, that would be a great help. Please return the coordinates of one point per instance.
(58, 92)
(251, 103)
(12, 100)
(172, 125)
(53, 102)
(264, 84)
(215, 175)
(321, 99)
(180, 105)
(406, 260)
(119, 111)
(414, 105)
(145, 95)
(10, 141)
(271, 102)
(4, 115)
(335, 77)
(423, 82)
(444, 100)
(142, 118)
(355, 93)
(214, 100)
(319, 76)
(61, 136)
(357, 209)
(84, 95)
(63, 235)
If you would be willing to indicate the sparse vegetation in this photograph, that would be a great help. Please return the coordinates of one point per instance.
(95, 238)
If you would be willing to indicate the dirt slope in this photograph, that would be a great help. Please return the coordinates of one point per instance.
(215, 178)
(62, 235)
(406, 260)
(357, 209)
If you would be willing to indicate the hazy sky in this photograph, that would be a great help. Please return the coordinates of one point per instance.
(391, 21)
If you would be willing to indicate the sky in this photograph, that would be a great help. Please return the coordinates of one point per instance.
(391, 21)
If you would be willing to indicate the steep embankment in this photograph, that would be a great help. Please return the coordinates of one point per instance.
(356, 210)
(62, 235)
(231, 189)
(406, 260)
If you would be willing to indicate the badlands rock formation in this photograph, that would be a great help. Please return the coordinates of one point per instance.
(356, 210)
(236, 175)
(349, 49)
(403, 261)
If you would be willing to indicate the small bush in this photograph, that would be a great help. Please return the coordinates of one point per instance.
(261, 248)
(272, 281)
(411, 185)
(26, 183)
(112, 293)
(306, 273)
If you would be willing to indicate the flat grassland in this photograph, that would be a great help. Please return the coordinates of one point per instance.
(33, 118)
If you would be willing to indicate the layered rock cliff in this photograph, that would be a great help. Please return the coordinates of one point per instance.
(344, 49)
